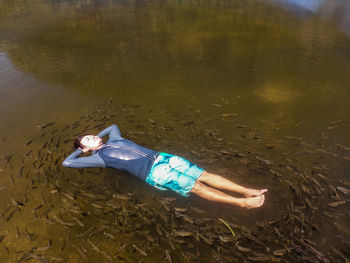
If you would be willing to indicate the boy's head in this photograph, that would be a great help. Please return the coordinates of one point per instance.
(88, 141)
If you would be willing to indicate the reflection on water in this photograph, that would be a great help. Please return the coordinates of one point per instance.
(335, 11)
(311, 5)
(248, 89)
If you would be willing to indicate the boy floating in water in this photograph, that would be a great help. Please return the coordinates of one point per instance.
(162, 170)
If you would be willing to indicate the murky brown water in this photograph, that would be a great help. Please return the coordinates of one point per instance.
(254, 91)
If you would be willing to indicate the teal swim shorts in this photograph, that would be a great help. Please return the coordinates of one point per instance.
(173, 172)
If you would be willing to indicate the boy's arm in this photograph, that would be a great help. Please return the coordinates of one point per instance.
(113, 131)
(90, 161)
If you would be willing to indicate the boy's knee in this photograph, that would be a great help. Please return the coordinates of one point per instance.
(197, 187)
(203, 176)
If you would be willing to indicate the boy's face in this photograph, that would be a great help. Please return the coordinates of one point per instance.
(91, 142)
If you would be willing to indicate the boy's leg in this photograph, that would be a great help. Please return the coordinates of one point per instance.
(225, 184)
(212, 194)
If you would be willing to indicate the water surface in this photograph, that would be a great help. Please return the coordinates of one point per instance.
(255, 91)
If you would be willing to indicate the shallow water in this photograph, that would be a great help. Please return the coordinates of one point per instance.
(255, 91)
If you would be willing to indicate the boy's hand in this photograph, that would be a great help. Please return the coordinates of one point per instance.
(85, 150)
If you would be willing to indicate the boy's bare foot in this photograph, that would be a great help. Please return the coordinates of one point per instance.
(253, 202)
(253, 192)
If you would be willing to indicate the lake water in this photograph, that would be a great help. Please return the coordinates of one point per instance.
(257, 91)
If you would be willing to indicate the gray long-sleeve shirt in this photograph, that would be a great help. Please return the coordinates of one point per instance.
(118, 153)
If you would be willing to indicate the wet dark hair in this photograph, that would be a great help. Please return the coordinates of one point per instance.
(77, 143)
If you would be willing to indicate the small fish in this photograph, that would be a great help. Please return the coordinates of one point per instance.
(83, 248)
(168, 256)
(122, 247)
(94, 247)
(70, 196)
(82, 254)
(260, 258)
(180, 209)
(2, 237)
(98, 206)
(327, 152)
(18, 234)
(169, 199)
(48, 220)
(28, 153)
(78, 221)
(59, 220)
(251, 237)
(182, 233)
(344, 190)
(197, 210)
(121, 197)
(46, 247)
(336, 251)
(188, 219)
(109, 235)
(167, 208)
(65, 242)
(244, 249)
(139, 250)
(39, 258)
(171, 244)
(342, 147)
(280, 252)
(56, 259)
(21, 172)
(86, 232)
(205, 239)
(159, 231)
(105, 255)
(42, 199)
(44, 146)
(17, 203)
(226, 238)
(229, 115)
(29, 142)
(29, 235)
(65, 127)
(320, 255)
(334, 204)
(40, 127)
(332, 127)
(7, 158)
(98, 230)
(88, 195)
(267, 162)
(316, 183)
(11, 215)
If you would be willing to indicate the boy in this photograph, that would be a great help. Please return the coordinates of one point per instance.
(162, 170)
